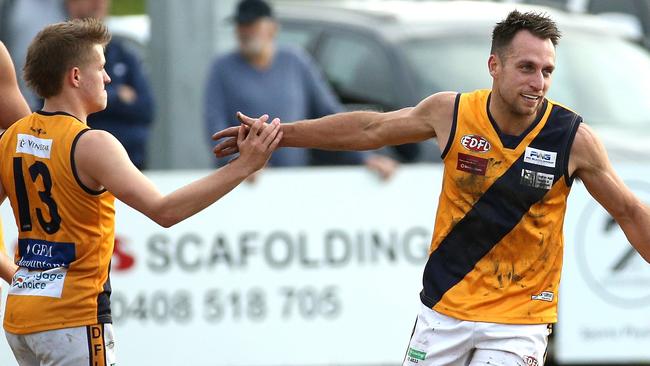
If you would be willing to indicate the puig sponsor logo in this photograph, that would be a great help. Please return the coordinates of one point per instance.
(540, 157)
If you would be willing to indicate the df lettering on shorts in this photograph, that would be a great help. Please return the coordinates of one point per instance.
(96, 346)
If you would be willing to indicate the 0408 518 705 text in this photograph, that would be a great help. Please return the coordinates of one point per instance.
(217, 305)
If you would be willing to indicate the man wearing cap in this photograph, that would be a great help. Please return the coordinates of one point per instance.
(262, 77)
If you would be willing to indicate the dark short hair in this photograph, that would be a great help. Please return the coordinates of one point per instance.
(59, 47)
(539, 24)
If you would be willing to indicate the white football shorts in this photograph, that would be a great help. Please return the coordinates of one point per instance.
(440, 340)
(92, 345)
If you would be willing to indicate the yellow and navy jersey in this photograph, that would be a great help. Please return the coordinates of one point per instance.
(496, 252)
(65, 229)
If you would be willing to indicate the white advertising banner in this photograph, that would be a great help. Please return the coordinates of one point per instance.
(323, 267)
(303, 267)
(605, 290)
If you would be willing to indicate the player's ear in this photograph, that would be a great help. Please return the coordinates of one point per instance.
(493, 63)
(74, 77)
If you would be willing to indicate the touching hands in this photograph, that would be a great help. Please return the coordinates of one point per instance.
(255, 142)
(230, 146)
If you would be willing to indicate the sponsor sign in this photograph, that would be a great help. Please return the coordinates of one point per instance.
(535, 179)
(300, 268)
(476, 143)
(530, 361)
(544, 296)
(38, 283)
(540, 157)
(299, 259)
(42, 254)
(604, 296)
(32, 145)
(471, 164)
(416, 356)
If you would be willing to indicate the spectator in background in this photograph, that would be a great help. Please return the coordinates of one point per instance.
(130, 103)
(261, 77)
(21, 20)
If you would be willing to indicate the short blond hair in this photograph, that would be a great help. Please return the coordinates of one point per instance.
(59, 47)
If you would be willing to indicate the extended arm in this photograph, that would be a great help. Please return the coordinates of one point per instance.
(12, 104)
(362, 130)
(590, 163)
(7, 266)
(103, 162)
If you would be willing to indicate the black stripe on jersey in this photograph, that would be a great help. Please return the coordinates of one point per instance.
(452, 131)
(104, 301)
(567, 148)
(496, 213)
(74, 166)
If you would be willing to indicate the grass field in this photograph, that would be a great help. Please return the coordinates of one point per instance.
(125, 7)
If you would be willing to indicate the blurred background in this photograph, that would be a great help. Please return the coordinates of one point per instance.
(175, 83)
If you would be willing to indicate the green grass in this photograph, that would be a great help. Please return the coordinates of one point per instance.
(125, 7)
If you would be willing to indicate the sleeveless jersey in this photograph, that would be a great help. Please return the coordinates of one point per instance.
(65, 230)
(496, 252)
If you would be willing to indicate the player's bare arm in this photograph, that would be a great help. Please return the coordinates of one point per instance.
(7, 266)
(12, 104)
(361, 130)
(103, 162)
(589, 163)
(12, 107)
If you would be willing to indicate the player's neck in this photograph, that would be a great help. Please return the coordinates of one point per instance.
(62, 104)
(509, 123)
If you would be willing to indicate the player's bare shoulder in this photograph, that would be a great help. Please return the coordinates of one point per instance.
(438, 111)
(587, 152)
(437, 105)
(97, 147)
(96, 138)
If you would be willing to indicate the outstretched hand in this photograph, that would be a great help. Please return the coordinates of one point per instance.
(257, 143)
(229, 145)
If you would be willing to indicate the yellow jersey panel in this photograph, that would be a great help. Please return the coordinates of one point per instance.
(65, 230)
(496, 252)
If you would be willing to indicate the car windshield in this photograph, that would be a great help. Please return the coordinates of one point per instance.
(605, 79)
